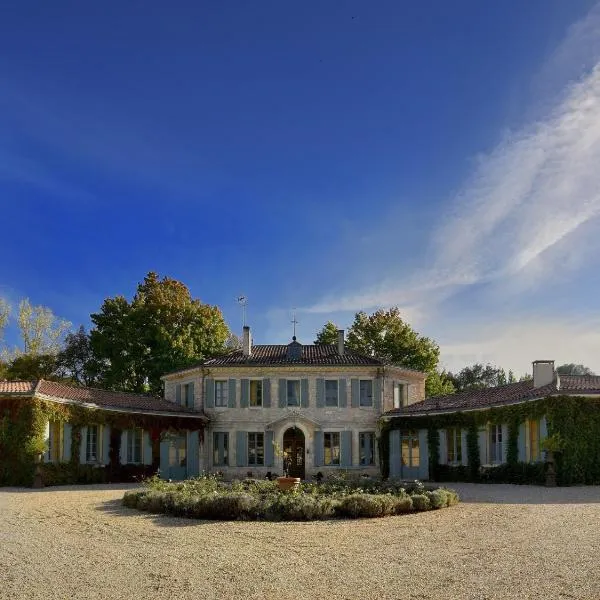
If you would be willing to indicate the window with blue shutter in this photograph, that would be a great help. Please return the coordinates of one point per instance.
(366, 446)
(220, 449)
(304, 393)
(267, 393)
(241, 448)
(232, 393)
(210, 393)
(346, 449)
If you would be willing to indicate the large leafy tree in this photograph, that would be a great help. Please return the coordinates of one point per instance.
(163, 328)
(438, 383)
(479, 376)
(574, 369)
(76, 361)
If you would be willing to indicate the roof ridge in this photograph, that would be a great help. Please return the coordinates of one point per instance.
(97, 389)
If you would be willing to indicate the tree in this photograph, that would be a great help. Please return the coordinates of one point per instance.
(41, 331)
(328, 334)
(438, 384)
(4, 316)
(162, 329)
(32, 366)
(384, 334)
(234, 342)
(573, 369)
(479, 376)
(77, 361)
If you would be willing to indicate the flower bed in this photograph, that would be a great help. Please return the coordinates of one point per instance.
(210, 498)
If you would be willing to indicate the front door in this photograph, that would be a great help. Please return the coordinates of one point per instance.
(178, 457)
(293, 446)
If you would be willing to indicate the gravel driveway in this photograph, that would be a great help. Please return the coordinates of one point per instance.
(80, 543)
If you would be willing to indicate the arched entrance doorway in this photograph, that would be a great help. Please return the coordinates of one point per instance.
(294, 444)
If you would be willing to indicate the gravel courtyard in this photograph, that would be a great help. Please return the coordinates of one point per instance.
(501, 542)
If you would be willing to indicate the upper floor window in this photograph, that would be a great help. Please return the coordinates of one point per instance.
(453, 445)
(399, 395)
(256, 449)
(496, 445)
(293, 392)
(256, 392)
(331, 452)
(366, 392)
(92, 444)
(221, 392)
(134, 446)
(331, 392)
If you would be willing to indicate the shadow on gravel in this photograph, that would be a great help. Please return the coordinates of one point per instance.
(525, 494)
(101, 487)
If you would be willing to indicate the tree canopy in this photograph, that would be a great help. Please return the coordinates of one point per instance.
(574, 369)
(328, 334)
(479, 376)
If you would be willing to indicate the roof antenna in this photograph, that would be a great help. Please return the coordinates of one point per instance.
(294, 322)
(243, 301)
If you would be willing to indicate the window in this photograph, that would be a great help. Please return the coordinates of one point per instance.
(533, 440)
(256, 449)
(496, 453)
(399, 395)
(256, 392)
(331, 392)
(332, 448)
(220, 449)
(293, 392)
(366, 392)
(55, 441)
(453, 446)
(221, 393)
(134, 446)
(410, 448)
(366, 442)
(92, 445)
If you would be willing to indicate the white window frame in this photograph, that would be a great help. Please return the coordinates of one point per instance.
(456, 434)
(360, 404)
(262, 392)
(130, 445)
(255, 434)
(400, 394)
(337, 386)
(287, 392)
(99, 433)
(224, 385)
(497, 446)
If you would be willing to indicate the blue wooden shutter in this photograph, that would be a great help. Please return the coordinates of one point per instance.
(304, 393)
(231, 387)
(377, 389)
(178, 393)
(266, 393)
(66, 442)
(83, 445)
(320, 393)
(342, 393)
(282, 393)
(318, 449)
(193, 454)
(423, 455)
(346, 449)
(245, 393)
(241, 448)
(394, 454)
(354, 392)
(269, 450)
(105, 444)
(164, 459)
(210, 393)
(190, 393)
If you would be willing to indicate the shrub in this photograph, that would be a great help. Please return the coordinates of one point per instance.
(358, 506)
(420, 502)
(404, 504)
(437, 498)
(131, 497)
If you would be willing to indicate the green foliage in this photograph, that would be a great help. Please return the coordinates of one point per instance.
(76, 361)
(473, 455)
(421, 502)
(31, 367)
(328, 334)
(479, 376)
(41, 331)
(574, 369)
(438, 383)
(161, 330)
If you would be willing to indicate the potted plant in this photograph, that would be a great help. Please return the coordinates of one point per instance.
(286, 482)
(550, 445)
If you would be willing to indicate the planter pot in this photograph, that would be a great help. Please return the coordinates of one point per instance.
(288, 483)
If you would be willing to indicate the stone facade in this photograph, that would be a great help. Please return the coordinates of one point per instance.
(274, 418)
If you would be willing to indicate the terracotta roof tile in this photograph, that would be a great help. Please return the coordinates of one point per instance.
(108, 399)
(501, 395)
(17, 387)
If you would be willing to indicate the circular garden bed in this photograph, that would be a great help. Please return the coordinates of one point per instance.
(254, 500)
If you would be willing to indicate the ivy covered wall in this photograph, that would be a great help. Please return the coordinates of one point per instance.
(23, 439)
(575, 419)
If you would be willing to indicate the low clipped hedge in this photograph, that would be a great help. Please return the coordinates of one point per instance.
(209, 498)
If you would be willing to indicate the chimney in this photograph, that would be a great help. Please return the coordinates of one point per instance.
(543, 372)
(246, 341)
(340, 341)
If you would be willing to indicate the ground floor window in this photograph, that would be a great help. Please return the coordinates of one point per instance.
(256, 449)
(496, 444)
(453, 446)
(533, 440)
(410, 448)
(92, 444)
(331, 452)
(366, 443)
(220, 449)
(55, 441)
(134, 446)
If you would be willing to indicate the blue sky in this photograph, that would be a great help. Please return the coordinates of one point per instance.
(330, 156)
